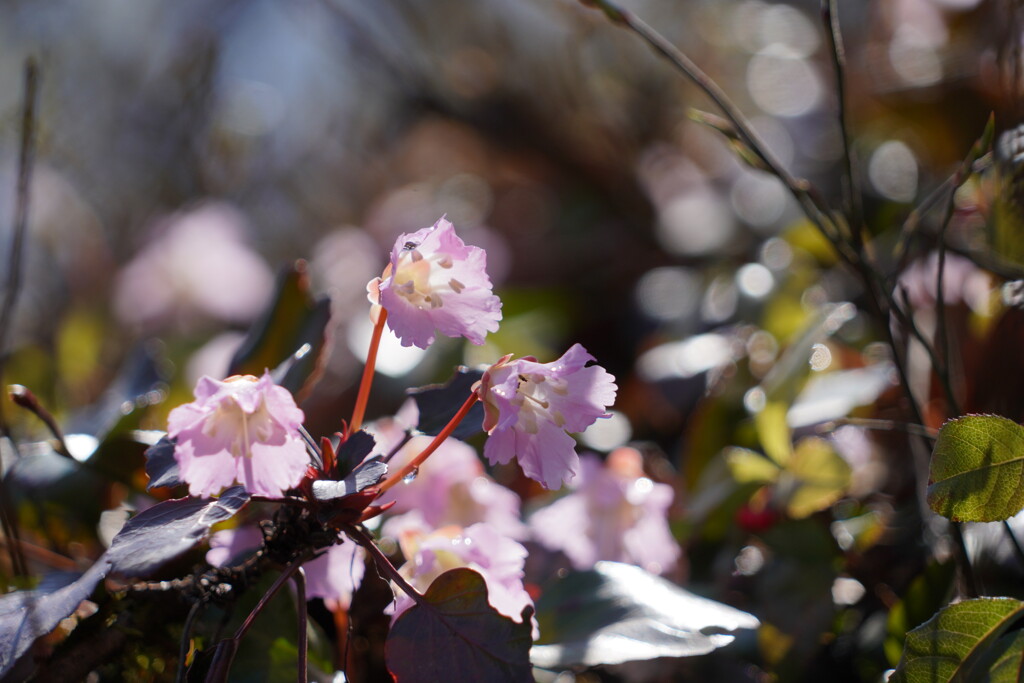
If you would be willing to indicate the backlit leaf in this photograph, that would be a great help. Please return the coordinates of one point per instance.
(816, 477)
(950, 645)
(750, 467)
(774, 433)
(977, 469)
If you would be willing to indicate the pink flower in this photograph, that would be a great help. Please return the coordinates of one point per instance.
(498, 559)
(242, 429)
(435, 283)
(616, 513)
(452, 488)
(530, 406)
(333, 576)
(199, 266)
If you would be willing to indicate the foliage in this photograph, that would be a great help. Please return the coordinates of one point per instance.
(811, 418)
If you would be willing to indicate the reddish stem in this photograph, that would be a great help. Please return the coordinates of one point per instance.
(438, 440)
(367, 380)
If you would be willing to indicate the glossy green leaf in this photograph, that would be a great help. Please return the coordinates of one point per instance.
(293, 319)
(977, 471)
(953, 644)
(618, 613)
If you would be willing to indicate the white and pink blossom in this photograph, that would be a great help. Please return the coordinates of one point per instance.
(499, 560)
(615, 513)
(452, 487)
(243, 430)
(531, 407)
(436, 283)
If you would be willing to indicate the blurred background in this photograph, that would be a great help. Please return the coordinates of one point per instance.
(189, 151)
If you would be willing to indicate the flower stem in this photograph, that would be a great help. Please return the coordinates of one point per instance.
(412, 465)
(367, 380)
(299, 578)
(383, 563)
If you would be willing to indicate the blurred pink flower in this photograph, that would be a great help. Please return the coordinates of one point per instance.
(481, 548)
(530, 407)
(198, 267)
(333, 576)
(452, 488)
(435, 283)
(615, 513)
(242, 429)
(228, 545)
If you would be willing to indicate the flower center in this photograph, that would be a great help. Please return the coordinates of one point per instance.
(535, 395)
(239, 428)
(423, 280)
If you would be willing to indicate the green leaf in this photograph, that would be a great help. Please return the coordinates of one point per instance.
(950, 645)
(977, 468)
(457, 636)
(293, 320)
(750, 467)
(617, 613)
(1005, 663)
(816, 477)
(926, 594)
(774, 433)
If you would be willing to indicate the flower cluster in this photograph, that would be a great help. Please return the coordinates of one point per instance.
(248, 430)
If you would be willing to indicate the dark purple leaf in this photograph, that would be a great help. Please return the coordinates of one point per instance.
(438, 404)
(363, 477)
(457, 636)
(168, 529)
(292, 320)
(355, 449)
(27, 615)
(161, 465)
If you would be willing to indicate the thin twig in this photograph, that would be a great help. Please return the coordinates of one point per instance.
(908, 322)
(941, 333)
(879, 425)
(14, 278)
(15, 264)
(851, 185)
(803, 191)
(931, 200)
